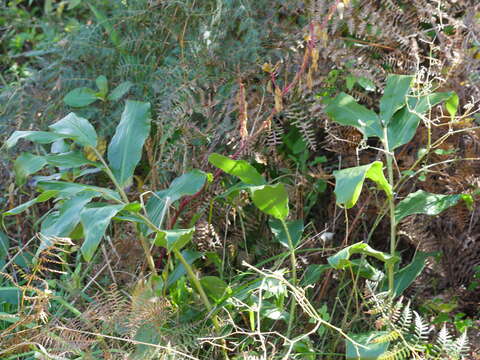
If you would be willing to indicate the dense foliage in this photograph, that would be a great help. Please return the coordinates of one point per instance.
(239, 179)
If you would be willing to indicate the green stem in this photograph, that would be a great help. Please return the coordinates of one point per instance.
(393, 223)
(143, 241)
(201, 292)
(293, 264)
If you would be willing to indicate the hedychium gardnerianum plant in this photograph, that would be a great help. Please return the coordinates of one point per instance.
(70, 140)
(402, 107)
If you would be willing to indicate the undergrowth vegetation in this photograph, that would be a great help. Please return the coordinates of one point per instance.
(240, 179)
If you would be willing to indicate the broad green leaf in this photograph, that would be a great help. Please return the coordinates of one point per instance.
(346, 111)
(69, 159)
(295, 229)
(369, 351)
(40, 137)
(174, 239)
(95, 220)
(59, 146)
(349, 182)
(313, 273)
(341, 259)
(63, 222)
(117, 93)
(405, 276)
(422, 202)
(452, 105)
(125, 148)
(79, 97)
(27, 164)
(10, 295)
(394, 96)
(304, 349)
(404, 123)
(239, 168)
(186, 185)
(76, 128)
(68, 189)
(364, 269)
(47, 195)
(271, 199)
(214, 287)
(102, 84)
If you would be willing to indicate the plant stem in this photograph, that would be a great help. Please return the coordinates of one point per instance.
(293, 264)
(143, 241)
(201, 292)
(393, 223)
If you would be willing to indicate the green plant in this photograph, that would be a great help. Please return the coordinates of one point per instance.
(76, 212)
(401, 112)
(84, 96)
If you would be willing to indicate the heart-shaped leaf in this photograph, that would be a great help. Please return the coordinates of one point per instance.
(346, 111)
(393, 99)
(271, 199)
(341, 259)
(349, 182)
(185, 185)
(295, 229)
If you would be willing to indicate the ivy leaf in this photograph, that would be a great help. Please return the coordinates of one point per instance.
(271, 199)
(349, 182)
